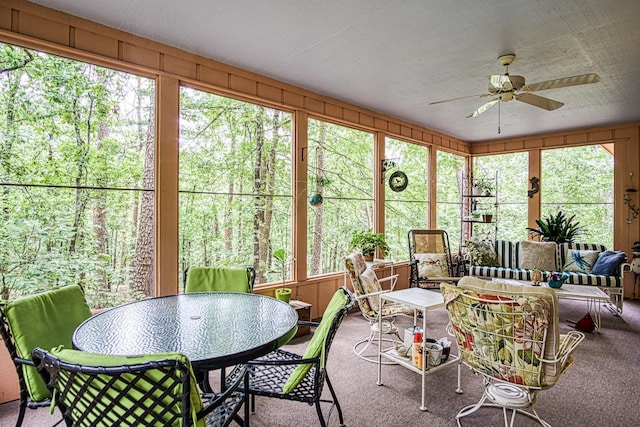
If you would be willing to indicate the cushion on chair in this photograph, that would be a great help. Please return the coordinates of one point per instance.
(580, 261)
(45, 320)
(432, 265)
(137, 393)
(371, 284)
(316, 345)
(482, 253)
(215, 279)
(358, 262)
(537, 255)
(353, 263)
(551, 370)
(608, 263)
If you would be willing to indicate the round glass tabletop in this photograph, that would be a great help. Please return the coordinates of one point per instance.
(213, 329)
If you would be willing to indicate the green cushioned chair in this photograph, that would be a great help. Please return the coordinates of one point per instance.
(151, 390)
(285, 375)
(46, 319)
(219, 279)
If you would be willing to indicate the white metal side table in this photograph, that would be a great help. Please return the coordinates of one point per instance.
(421, 300)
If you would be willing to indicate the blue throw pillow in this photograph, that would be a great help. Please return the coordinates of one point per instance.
(608, 263)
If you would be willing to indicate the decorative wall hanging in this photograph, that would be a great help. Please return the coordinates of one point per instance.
(634, 211)
(535, 186)
(398, 180)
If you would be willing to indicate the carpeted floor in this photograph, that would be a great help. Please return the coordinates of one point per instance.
(601, 388)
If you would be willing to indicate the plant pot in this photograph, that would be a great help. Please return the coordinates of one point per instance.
(555, 284)
(315, 199)
(283, 294)
(487, 218)
(368, 258)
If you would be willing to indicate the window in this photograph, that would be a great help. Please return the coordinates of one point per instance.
(341, 168)
(579, 181)
(77, 178)
(407, 209)
(450, 167)
(513, 184)
(235, 183)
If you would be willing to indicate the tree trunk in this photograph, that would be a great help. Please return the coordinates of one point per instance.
(81, 196)
(259, 186)
(99, 216)
(316, 249)
(142, 280)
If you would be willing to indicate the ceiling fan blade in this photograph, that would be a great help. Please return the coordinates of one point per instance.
(462, 97)
(539, 101)
(484, 107)
(582, 79)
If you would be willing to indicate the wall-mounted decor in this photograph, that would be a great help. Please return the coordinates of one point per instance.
(398, 181)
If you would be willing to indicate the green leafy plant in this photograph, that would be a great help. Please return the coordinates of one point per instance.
(282, 260)
(483, 185)
(557, 228)
(367, 242)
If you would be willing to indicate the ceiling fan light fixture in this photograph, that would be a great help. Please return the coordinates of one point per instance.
(506, 97)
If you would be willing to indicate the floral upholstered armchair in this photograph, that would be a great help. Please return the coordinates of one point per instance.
(367, 289)
(509, 334)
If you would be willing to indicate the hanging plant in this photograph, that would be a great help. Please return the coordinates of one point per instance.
(315, 198)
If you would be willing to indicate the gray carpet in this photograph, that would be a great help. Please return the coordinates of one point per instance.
(601, 388)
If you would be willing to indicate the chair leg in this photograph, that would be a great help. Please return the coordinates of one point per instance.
(23, 408)
(374, 336)
(335, 401)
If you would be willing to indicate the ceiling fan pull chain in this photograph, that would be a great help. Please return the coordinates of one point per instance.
(498, 118)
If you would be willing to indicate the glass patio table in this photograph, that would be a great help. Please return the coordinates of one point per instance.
(213, 329)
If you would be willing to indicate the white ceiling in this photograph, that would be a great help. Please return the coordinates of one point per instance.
(396, 56)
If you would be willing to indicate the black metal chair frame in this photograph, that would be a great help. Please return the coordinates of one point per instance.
(414, 277)
(71, 397)
(25, 400)
(268, 374)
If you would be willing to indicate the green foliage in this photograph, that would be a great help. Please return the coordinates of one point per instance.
(407, 209)
(557, 228)
(67, 127)
(484, 185)
(282, 261)
(367, 242)
(73, 138)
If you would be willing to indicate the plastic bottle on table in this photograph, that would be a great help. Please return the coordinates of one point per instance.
(417, 350)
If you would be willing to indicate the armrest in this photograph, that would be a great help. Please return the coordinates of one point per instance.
(218, 399)
(307, 323)
(393, 278)
(625, 267)
(372, 294)
(566, 347)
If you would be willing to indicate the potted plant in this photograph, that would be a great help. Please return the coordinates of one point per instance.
(282, 260)
(482, 187)
(366, 242)
(558, 228)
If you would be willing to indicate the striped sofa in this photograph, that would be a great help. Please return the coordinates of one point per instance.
(509, 255)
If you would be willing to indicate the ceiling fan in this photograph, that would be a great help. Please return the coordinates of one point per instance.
(507, 88)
